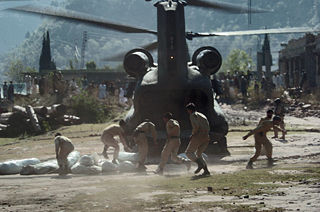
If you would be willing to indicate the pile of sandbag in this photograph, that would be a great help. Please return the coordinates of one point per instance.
(50, 166)
(126, 163)
(91, 164)
(88, 164)
(15, 166)
(123, 166)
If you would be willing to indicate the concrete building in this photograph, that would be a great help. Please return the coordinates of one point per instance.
(299, 61)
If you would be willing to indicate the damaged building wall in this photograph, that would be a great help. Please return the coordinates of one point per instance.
(299, 62)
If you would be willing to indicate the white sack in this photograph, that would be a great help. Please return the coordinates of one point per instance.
(81, 169)
(50, 166)
(86, 160)
(73, 158)
(15, 166)
(127, 166)
(41, 168)
(128, 156)
(97, 160)
(107, 166)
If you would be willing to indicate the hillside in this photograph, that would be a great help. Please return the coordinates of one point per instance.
(101, 43)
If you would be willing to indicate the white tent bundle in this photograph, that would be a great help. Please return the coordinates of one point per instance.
(109, 167)
(15, 166)
(50, 166)
(81, 169)
(88, 164)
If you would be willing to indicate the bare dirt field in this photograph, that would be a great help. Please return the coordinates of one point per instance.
(293, 184)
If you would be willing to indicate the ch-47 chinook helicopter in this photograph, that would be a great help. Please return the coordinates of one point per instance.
(176, 79)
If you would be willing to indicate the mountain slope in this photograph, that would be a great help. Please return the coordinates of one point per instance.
(101, 43)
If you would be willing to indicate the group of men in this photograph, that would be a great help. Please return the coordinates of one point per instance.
(199, 140)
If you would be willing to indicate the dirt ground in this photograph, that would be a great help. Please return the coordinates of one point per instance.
(293, 184)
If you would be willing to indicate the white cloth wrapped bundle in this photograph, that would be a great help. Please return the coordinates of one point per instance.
(50, 166)
(86, 160)
(108, 167)
(15, 166)
(88, 164)
(81, 169)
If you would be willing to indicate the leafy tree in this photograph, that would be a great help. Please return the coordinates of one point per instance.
(88, 108)
(91, 65)
(237, 60)
(71, 65)
(16, 69)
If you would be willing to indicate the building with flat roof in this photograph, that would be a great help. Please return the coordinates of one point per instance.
(299, 61)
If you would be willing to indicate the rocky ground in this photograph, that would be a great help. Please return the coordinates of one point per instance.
(293, 184)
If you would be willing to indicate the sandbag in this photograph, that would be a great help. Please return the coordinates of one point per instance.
(128, 156)
(86, 160)
(50, 166)
(81, 169)
(101, 161)
(108, 166)
(126, 166)
(97, 160)
(46, 167)
(15, 166)
(73, 158)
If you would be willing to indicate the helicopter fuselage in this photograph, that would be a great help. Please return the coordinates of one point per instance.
(175, 81)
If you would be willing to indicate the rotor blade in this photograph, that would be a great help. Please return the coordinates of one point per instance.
(79, 17)
(119, 57)
(13, 0)
(255, 32)
(224, 7)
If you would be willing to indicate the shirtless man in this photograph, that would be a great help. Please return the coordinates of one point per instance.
(140, 135)
(63, 147)
(107, 138)
(260, 138)
(172, 145)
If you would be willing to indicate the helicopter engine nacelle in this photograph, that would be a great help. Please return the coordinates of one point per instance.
(137, 62)
(208, 59)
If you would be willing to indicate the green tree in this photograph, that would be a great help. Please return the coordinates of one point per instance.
(16, 70)
(91, 65)
(88, 108)
(71, 65)
(45, 62)
(237, 60)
